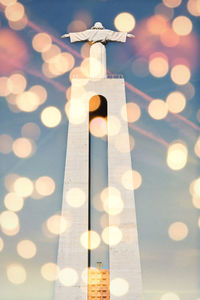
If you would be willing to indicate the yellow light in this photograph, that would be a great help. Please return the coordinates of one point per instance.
(176, 102)
(51, 116)
(49, 271)
(1, 244)
(98, 127)
(14, 12)
(114, 125)
(68, 277)
(170, 296)
(27, 101)
(112, 202)
(112, 235)
(22, 147)
(130, 112)
(19, 25)
(9, 181)
(90, 239)
(157, 24)
(16, 274)
(13, 202)
(30, 130)
(131, 179)
(76, 111)
(85, 66)
(45, 186)
(169, 38)
(75, 197)
(124, 22)
(177, 155)
(41, 42)
(4, 87)
(40, 92)
(26, 249)
(23, 186)
(196, 202)
(172, 3)
(182, 25)
(122, 143)
(119, 287)
(178, 231)
(193, 7)
(158, 65)
(9, 220)
(57, 224)
(5, 143)
(61, 63)
(94, 103)
(197, 147)
(7, 2)
(17, 83)
(196, 187)
(52, 52)
(158, 109)
(180, 74)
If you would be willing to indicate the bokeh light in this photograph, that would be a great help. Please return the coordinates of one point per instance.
(197, 147)
(68, 277)
(7, 2)
(13, 202)
(121, 142)
(178, 231)
(61, 63)
(94, 103)
(162, 10)
(182, 25)
(131, 112)
(40, 92)
(9, 220)
(49, 271)
(52, 52)
(20, 24)
(75, 197)
(98, 127)
(176, 102)
(158, 109)
(57, 224)
(112, 202)
(172, 3)
(124, 22)
(157, 24)
(30, 130)
(196, 202)
(158, 65)
(41, 42)
(45, 186)
(22, 147)
(14, 12)
(177, 156)
(51, 116)
(26, 249)
(193, 7)
(16, 274)
(4, 88)
(169, 38)
(17, 83)
(1, 244)
(5, 143)
(195, 188)
(9, 181)
(23, 186)
(111, 235)
(27, 101)
(180, 74)
(90, 240)
(131, 179)
(119, 287)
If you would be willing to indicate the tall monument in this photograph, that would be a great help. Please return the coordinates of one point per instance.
(98, 262)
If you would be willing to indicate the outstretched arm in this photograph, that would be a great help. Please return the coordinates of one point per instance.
(65, 35)
(130, 35)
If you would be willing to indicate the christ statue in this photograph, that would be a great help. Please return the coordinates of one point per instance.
(98, 37)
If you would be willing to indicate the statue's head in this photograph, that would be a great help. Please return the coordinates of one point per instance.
(97, 25)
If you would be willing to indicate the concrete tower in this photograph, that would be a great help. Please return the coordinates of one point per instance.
(82, 275)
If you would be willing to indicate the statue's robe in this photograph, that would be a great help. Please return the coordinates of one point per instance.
(98, 38)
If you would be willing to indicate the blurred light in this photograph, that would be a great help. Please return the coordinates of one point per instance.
(68, 93)
(140, 67)
(23, 186)
(41, 42)
(180, 74)
(188, 90)
(196, 202)
(170, 296)
(114, 125)
(124, 22)
(75, 197)
(76, 73)
(49, 271)
(157, 24)
(158, 65)
(169, 38)
(112, 235)
(17, 83)
(177, 156)
(27, 101)
(178, 231)
(51, 116)
(94, 103)
(40, 92)
(197, 147)
(14, 12)
(176, 102)
(130, 112)
(158, 109)
(85, 66)
(124, 143)
(90, 240)
(97, 203)
(5, 143)
(98, 127)
(68, 277)
(182, 25)
(131, 179)
(30, 130)
(167, 12)
(20, 24)
(119, 287)
(46, 71)
(57, 224)
(22, 147)
(9, 220)
(193, 7)
(61, 63)
(52, 52)
(112, 202)
(172, 3)
(13, 202)
(76, 111)
(4, 88)
(77, 25)
(16, 274)
(7, 2)
(26, 249)
(85, 50)
(9, 181)
(196, 187)
(1, 244)
(45, 186)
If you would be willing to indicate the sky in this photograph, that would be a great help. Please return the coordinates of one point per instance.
(161, 71)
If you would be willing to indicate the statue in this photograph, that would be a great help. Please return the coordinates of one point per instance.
(98, 37)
